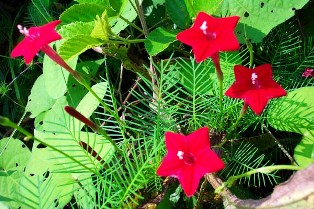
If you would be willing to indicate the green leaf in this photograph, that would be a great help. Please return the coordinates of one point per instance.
(210, 7)
(158, 40)
(39, 100)
(89, 103)
(57, 120)
(50, 177)
(14, 157)
(178, 13)
(56, 77)
(76, 45)
(101, 28)
(100, 2)
(126, 11)
(295, 113)
(76, 28)
(259, 17)
(304, 151)
(82, 12)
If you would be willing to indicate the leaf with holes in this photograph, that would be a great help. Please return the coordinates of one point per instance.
(13, 160)
(39, 100)
(259, 17)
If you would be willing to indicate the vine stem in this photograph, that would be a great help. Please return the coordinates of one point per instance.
(280, 145)
(4, 121)
(50, 52)
(241, 114)
(201, 195)
(220, 77)
(264, 170)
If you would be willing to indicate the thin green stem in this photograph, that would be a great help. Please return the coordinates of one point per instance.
(130, 23)
(125, 41)
(264, 170)
(78, 77)
(87, 86)
(28, 136)
(250, 48)
(201, 195)
(220, 77)
(241, 114)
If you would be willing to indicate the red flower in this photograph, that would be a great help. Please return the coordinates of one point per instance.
(308, 73)
(255, 86)
(189, 158)
(210, 35)
(36, 39)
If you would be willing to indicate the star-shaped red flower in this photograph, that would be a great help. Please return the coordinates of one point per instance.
(35, 39)
(210, 35)
(255, 86)
(189, 158)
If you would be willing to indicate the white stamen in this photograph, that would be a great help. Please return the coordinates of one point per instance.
(180, 154)
(253, 77)
(23, 30)
(19, 27)
(204, 27)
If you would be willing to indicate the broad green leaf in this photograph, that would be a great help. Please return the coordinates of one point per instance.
(76, 92)
(259, 17)
(56, 77)
(76, 45)
(101, 28)
(52, 177)
(304, 151)
(69, 144)
(295, 113)
(158, 40)
(100, 2)
(56, 120)
(126, 11)
(89, 103)
(178, 13)
(85, 12)
(76, 28)
(210, 7)
(39, 100)
(13, 161)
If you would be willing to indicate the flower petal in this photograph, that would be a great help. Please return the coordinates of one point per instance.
(255, 87)
(209, 35)
(33, 42)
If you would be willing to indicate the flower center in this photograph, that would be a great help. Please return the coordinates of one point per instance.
(209, 35)
(186, 157)
(253, 78)
(25, 32)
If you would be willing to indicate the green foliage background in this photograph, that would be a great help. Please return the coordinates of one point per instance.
(184, 97)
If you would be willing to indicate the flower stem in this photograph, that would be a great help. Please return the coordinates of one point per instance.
(220, 77)
(250, 48)
(56, 57)
(264, 170)
(74, 113)
(50, 52)
(201, 195)
(242, 113)
(8, 123)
